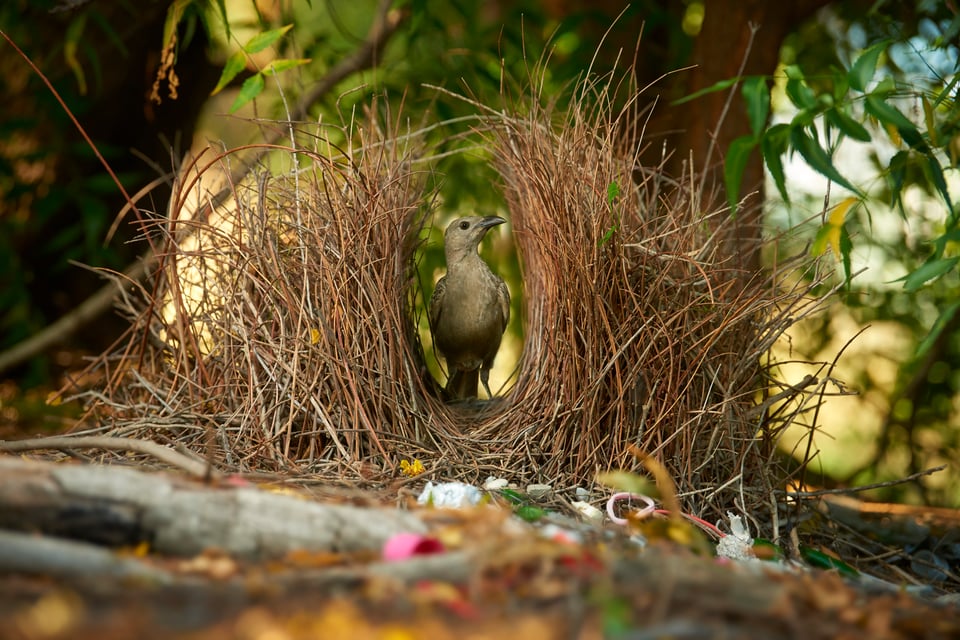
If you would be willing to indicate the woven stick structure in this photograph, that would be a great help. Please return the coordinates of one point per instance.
(280, 333)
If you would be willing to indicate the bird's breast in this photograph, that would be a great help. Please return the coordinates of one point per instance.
(471, 321)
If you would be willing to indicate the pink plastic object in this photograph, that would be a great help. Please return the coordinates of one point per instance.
(405, 545)
(624, 496)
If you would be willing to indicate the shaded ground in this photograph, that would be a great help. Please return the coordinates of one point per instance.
(503, 586)
(498, 578)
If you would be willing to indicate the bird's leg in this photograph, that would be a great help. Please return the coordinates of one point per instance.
(485, 379)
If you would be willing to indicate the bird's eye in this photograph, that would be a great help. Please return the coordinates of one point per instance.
(464, 225)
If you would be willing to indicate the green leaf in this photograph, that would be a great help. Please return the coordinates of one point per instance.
(817, 158)
(797, 90)
(930, 120)
(831, 234)
(513, 496)
(929, 270)
(279, 66)
(235, 64)
(613, 192)
(942, 321)
(263, 40)
(846, 251)
(823, 561)
(863, 70)
(821, 241)
(71, 43)
(173, 18)
(887, 113)
(717, 86)
(529, 513)
(222, 12)
(738, 153)
(897, 172)
(947, 92)
(773, 145)
(935, 174)
(756, 94)
(850, 127)
(252, 87)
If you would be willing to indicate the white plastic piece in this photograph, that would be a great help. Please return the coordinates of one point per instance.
(738, 545)
(588, 512)
(450, 495)
(494, 483)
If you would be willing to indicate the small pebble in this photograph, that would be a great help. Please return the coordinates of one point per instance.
(536, 491)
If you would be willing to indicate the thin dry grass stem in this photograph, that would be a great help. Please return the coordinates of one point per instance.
(280, 333)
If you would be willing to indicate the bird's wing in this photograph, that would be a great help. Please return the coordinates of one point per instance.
(436, 302)
(503, 294)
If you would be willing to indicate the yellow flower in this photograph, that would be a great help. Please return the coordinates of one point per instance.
(411, 469)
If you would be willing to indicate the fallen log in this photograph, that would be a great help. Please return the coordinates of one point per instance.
(117, 506)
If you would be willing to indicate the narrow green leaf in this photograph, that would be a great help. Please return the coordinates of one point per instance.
(738, 153)
(850, 127)
(841, 86)
(947, 92)
(279, 66)
(513, 496)
(897, 172)
(950, 236)
(929, 270)
(71, 44)
(823, 561)
(252, 87)
(773, 145)
(235, 64)
(613, 192)
(799, 93)
(803, 118)
(821, 241)
(222, 13)
(942, 321)
(756, 94)
(935, 173)
(717, 86)
(887, 113)
(930, 120)
(263, 40)
(172, 20)
(817, 158)
(529, 513)
(846, 251)
(864, 68)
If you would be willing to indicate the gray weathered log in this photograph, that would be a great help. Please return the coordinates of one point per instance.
(119, 505)
(68, 559)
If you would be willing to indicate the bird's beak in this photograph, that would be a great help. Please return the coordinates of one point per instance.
(491, 221)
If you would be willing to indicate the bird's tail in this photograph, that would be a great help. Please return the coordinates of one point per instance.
(463, 384)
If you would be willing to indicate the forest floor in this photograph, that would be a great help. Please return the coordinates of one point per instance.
(530, 589)
(491, 574)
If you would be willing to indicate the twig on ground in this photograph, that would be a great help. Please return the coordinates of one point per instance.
(865, 487)
(163, 454)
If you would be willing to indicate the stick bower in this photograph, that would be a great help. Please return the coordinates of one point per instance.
(280, 333)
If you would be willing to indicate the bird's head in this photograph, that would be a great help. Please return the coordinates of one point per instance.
(463, 235)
